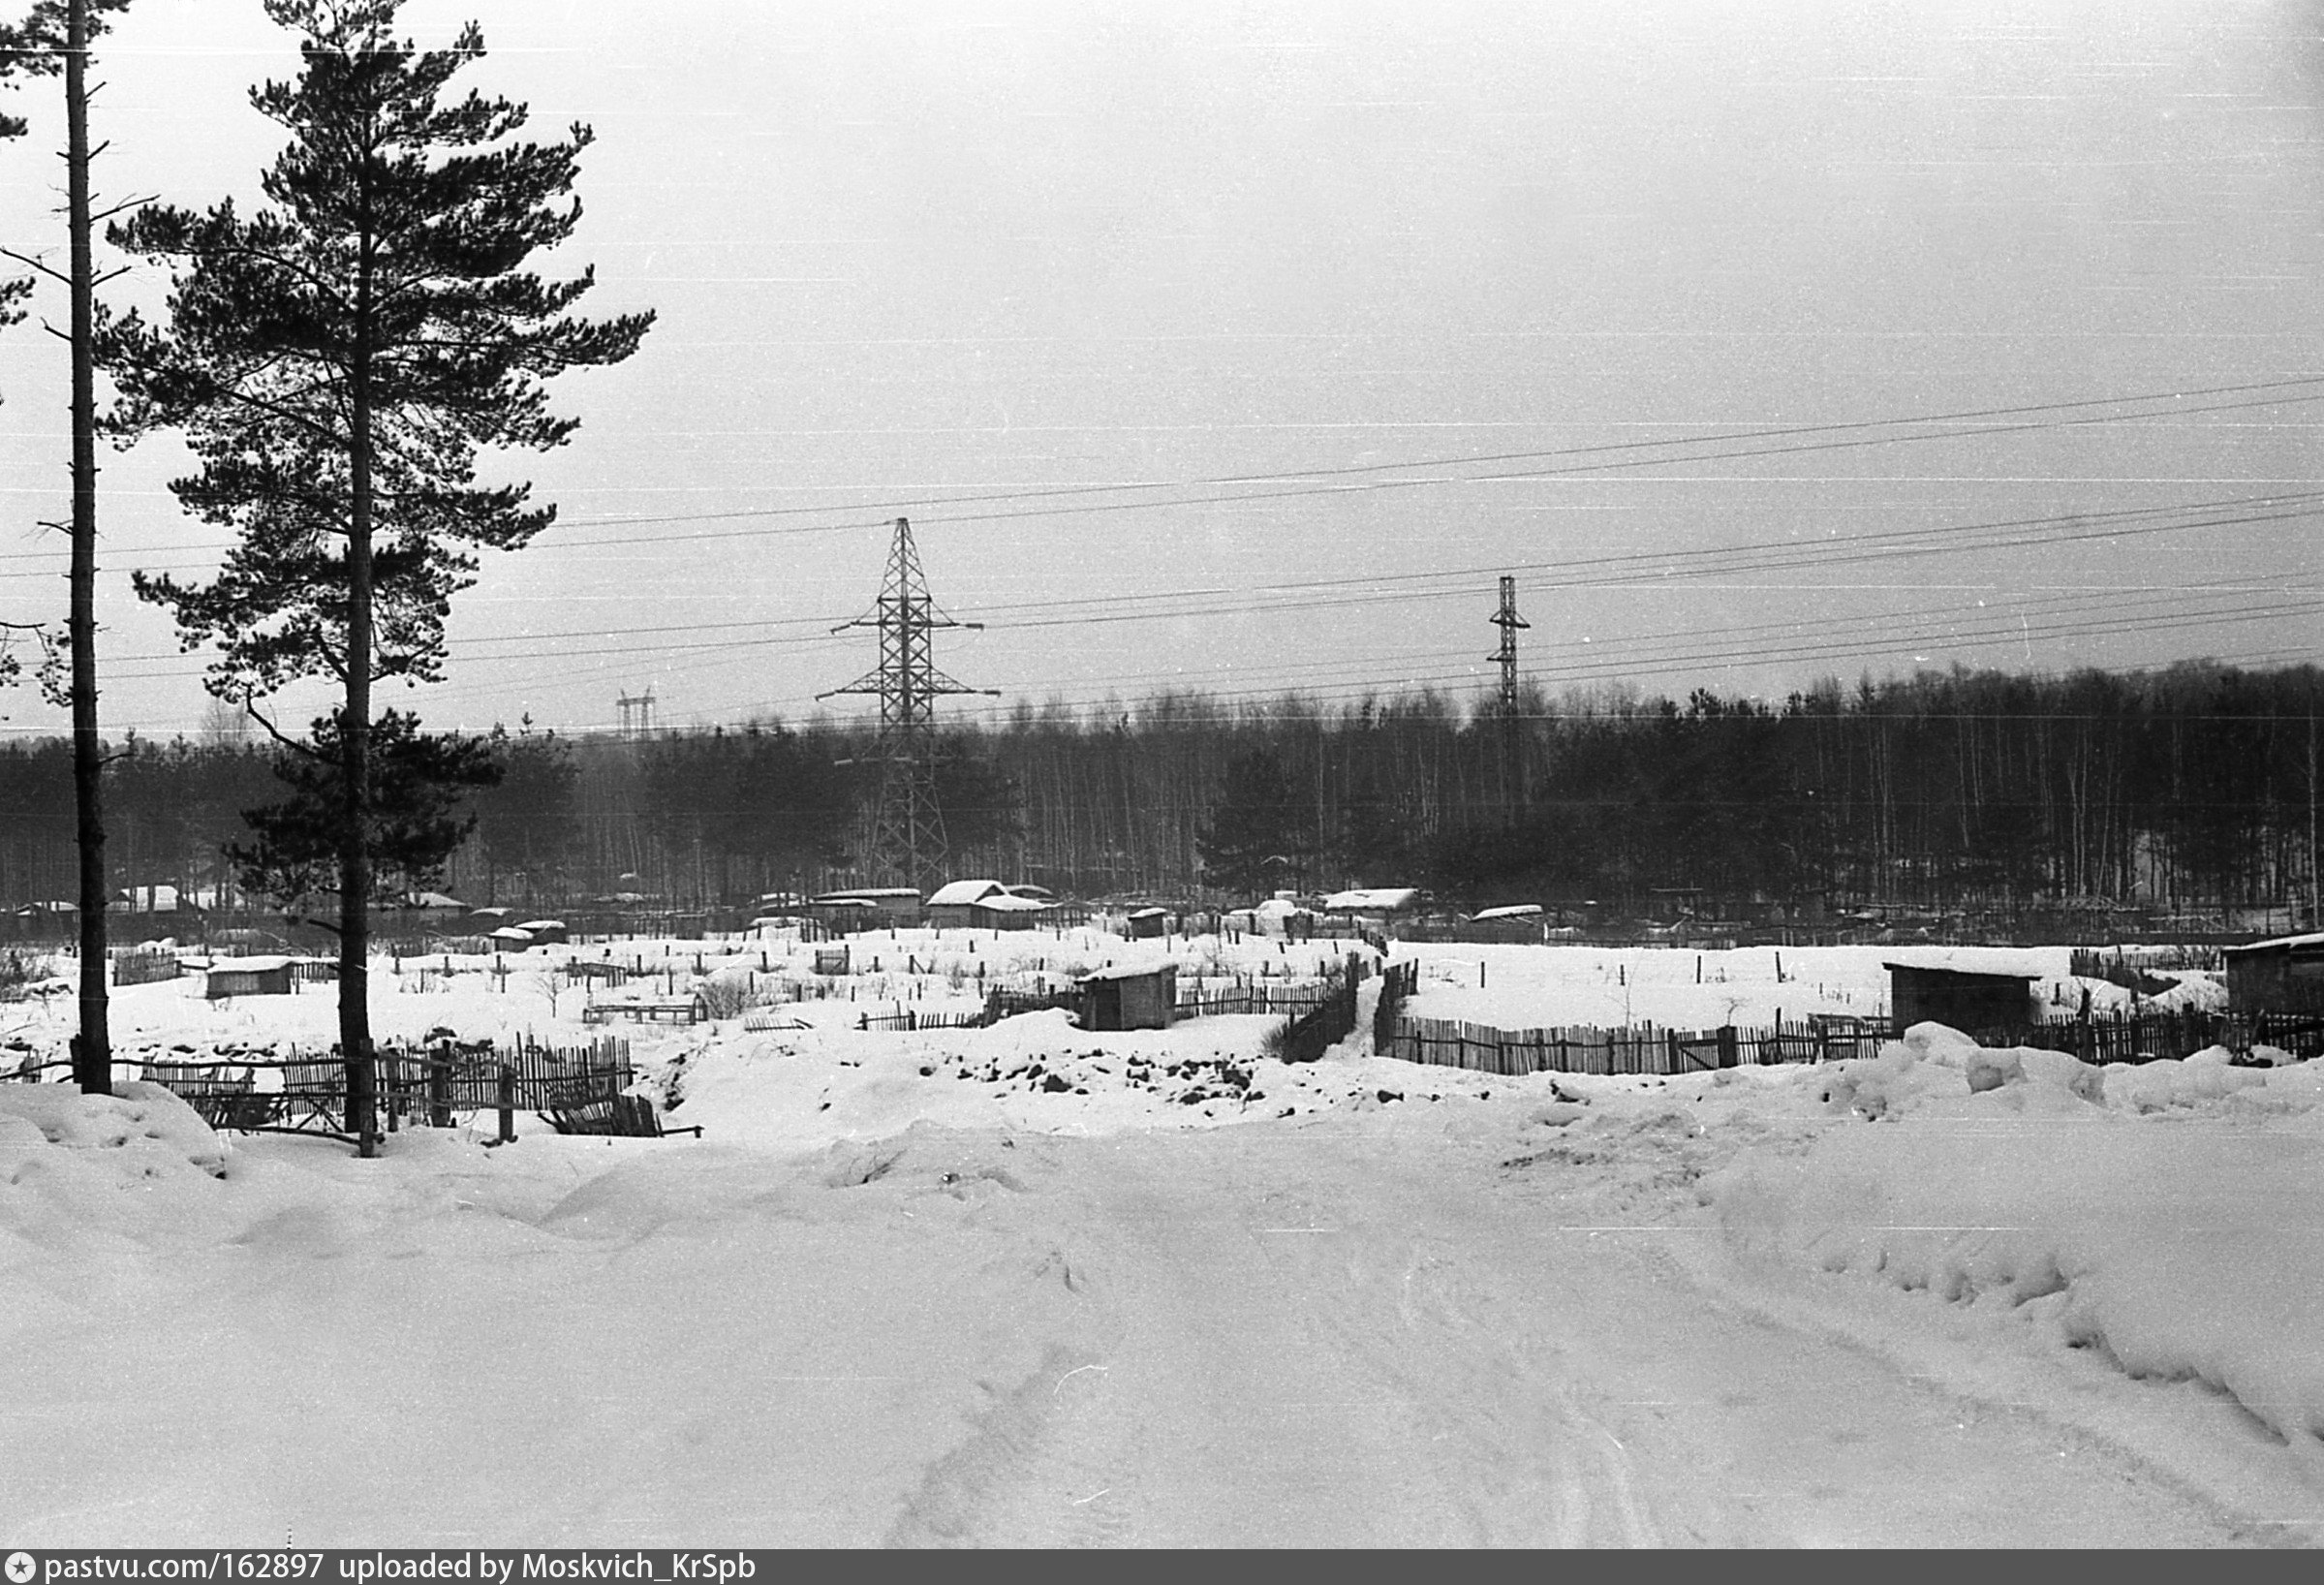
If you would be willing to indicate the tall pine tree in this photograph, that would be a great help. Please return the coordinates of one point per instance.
(54, 40)
(338, 359)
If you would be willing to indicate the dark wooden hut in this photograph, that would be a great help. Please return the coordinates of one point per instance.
(1129, 998)
(2285, 974)
(1969, 1000)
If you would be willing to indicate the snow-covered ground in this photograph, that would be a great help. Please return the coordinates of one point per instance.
(1034, 1285)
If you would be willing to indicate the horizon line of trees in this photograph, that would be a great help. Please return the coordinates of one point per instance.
(2194, 788)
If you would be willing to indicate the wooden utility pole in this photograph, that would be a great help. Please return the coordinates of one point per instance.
(92, 1048)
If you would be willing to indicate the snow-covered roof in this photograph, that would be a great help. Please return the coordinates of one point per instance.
(1028, 889)
(1385, 898)
(1998, 960)
(1509, 911)
(1003, 903)
(510, 933)
(432, 899)
(2314, 938)
(954, 893)
(868, 894)
(248, 965)
(1147, 912)
(540, 924)
(1128, 970)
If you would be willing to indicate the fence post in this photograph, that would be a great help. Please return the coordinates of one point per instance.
(507, 1104)
(439, 1089)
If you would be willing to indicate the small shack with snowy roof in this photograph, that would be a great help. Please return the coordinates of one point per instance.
(1971, 992)
(247, 977)
(949, 904)
(1378, 903)
(859, 906)
(1129, 998)
(1008, 912)
(2283, 974)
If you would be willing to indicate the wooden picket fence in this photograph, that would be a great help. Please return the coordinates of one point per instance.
(1644, 1048)
(1444, 1043)
(1257, 997)
(145, 968)
(2098, 1040)
(912, 1019)
(2171, 1032)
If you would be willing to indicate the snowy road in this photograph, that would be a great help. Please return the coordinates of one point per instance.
(1440, 1358)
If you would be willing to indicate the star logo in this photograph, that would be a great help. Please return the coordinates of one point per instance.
(20, 1569)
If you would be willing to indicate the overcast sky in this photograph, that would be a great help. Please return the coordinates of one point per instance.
(1351, 309)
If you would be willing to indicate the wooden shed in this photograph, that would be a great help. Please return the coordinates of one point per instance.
(1006, 913)
(2285, 974)
(1129, 998)
(872, 905)
(1148, 924)
(950, 905)
(1971, 1000)
(247, 977)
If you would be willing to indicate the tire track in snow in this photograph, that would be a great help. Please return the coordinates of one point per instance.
(1419, 1353)
(1032, 1473)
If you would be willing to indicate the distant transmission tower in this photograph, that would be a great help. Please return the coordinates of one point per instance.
(908, 832)
(1512, 763)
(636, 713)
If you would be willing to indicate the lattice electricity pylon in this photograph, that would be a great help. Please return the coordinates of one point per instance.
(908, 831)
(636, 713)
(1512, 758)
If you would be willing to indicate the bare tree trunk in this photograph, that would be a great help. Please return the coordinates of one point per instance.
(92, 1049)
(355, 743)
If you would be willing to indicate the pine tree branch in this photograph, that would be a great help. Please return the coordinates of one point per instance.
(33, 260)
(250, 706)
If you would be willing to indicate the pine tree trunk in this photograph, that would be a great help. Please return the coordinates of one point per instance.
(92, 1051)
(354, 742)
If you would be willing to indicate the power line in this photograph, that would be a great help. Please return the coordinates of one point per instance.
(1976, 417)
(1574, 571)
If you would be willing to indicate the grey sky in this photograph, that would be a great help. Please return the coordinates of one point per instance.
(913, 252)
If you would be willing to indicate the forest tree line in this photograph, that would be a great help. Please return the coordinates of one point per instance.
(2195, 786)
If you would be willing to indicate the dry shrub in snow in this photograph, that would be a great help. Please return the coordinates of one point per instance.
(724, 994)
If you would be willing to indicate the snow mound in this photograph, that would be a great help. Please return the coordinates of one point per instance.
(145, 1122)
(2050, 1198)
(71, 1161)
(1937, 1069)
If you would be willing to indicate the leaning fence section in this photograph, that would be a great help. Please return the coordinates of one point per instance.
(427, 1085)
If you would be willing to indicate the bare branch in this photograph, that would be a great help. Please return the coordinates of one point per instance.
(292, 743)
(33, 262)
(124, 206)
